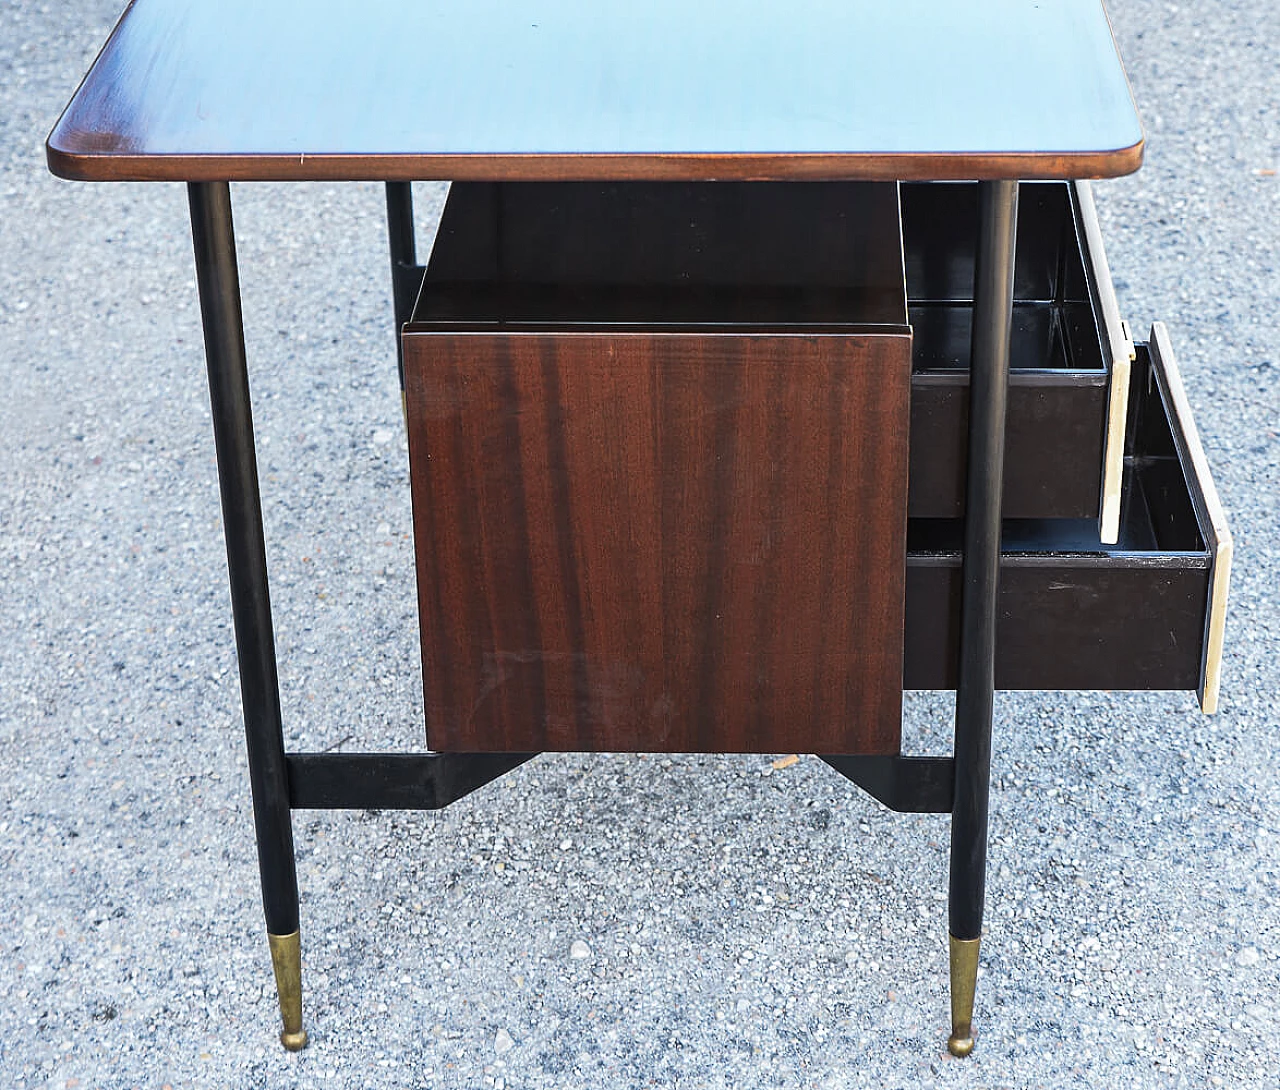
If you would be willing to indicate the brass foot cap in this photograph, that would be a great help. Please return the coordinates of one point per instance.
(960, 1046)
(296, 1042)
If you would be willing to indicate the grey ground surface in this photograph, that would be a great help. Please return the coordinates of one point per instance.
(746, 927)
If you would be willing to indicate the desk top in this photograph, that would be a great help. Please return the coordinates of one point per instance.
(190, 90)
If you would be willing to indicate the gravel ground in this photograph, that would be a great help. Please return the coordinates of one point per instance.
(601, 921)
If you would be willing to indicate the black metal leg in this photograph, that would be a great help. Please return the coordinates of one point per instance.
(404, 260)
(988, 387)
(215, 249)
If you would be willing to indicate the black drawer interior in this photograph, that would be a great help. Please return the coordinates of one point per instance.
(667, 253)
(1059, 384)
(1055, 325)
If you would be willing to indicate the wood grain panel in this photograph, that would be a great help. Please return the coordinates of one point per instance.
(660, 541)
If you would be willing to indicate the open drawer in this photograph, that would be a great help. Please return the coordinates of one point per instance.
(1145, 612)
(1069, 356)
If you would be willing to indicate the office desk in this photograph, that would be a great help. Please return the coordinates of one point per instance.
(711, 447)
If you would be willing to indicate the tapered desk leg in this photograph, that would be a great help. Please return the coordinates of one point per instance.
(214, 239)
(988, 387)
(403, 258)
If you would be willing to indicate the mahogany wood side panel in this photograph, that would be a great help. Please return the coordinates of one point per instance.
(660, 541)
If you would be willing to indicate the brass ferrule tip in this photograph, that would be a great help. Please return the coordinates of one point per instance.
(286, 961)
(964, 982)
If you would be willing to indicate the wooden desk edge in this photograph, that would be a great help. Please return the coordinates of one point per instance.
(67, 159)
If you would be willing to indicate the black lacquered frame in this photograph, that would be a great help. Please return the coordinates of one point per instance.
(282, 782)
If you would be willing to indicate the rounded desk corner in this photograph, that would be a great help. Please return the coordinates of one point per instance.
(74, 166)
(1124, 161)
(61, 163)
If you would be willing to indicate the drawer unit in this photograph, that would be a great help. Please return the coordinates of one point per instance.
(1143, 613)
(635, 409)
(660, 503)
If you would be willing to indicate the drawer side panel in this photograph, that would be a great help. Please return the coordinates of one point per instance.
(1065, 624)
